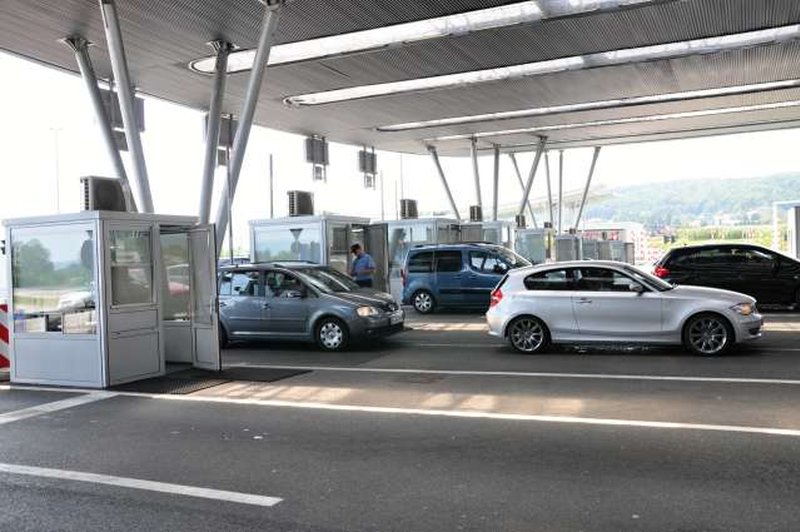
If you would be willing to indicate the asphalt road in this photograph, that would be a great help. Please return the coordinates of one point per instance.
(438, 429)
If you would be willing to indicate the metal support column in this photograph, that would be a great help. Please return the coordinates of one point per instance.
(268, 24)
(496, 181)
(435, 156)
(522, 186)
(532, 174)
(80, 46)
(549, 189)
(475, 172)
(122, 79)
(588, 183)
(213, 120)
(560, 188)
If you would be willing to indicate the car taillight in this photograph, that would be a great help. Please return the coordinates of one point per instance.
(661, 272)
(497, 297)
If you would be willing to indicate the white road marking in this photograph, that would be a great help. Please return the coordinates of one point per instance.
(454, 413)
(146, 485)
(54, 406)
(494, 416)
(607, 376)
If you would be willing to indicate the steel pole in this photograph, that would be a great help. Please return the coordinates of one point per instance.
(560, 187)
(271, 188)
(529, 185)
(268, 25)
(549, 190)
(222, 49)
(522, 186)
(588, 183)
(496, 181)
(435, 156)
(119, 66)
(80, 46)
(475, 172)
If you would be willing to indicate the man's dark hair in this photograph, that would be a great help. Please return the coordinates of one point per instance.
(354, 248)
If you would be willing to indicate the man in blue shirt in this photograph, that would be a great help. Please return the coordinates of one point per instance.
(363, 267)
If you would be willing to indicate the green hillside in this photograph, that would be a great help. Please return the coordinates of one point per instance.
(677, 203)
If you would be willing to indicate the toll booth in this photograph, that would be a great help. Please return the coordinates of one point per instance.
(534, 244)
(496, 232)
(103, 298)
(568, 247)
(322, 239)
(405, 233)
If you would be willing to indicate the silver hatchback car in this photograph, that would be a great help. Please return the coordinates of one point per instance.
(610, 302)
(302, 301)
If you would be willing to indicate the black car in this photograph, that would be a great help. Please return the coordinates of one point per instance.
(770, 277)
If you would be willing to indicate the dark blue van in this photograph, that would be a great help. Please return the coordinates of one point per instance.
(455, 275)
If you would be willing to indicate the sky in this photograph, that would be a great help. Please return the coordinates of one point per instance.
(50, 139)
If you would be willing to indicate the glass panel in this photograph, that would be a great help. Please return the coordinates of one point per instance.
(551, 280)
(280, 284)
(602, 280)
(131, 267)
(448, 261)
(177, 292)
(288, 243)
(53, 279)
(339, 247)
(240, 284)
(401, 239)
(421, 262)
(203, 270)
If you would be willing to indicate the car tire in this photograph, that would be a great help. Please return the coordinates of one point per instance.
(708, 334)
(528, 334)
(331, 334)
(423, 302)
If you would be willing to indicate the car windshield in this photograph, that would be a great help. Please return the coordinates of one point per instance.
(650, 280)
(328, 280)
(513, 260)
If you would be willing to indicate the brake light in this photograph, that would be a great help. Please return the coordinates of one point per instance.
(661, 272)
(497, 297)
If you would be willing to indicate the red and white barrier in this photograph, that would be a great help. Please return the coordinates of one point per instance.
(3, 335)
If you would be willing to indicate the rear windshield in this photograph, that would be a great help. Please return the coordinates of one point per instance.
(328, 280)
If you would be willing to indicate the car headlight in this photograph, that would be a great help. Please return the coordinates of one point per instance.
(367, 311)
(745, 309)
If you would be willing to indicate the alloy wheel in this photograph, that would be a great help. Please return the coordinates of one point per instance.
(708, 335)
(527, 335)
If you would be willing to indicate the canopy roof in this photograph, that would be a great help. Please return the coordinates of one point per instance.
(598, 45)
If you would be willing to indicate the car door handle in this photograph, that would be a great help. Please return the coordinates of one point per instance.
(584, 301)
(265, 305)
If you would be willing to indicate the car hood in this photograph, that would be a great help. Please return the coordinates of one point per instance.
(706, 292)
(368, 296)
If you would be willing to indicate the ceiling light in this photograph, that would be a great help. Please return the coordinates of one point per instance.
(614, 103)
(580, 62)
(621, 121)
(410, 32)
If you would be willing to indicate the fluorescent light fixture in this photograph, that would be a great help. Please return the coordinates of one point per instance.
(580, 62)
(596, 105)
(410, 32)
(621, 121)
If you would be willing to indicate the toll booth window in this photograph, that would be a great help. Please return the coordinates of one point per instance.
(240, 284)
(288, 243)
(131, 267)
(448, 261)
(53, 280)
(178, 279)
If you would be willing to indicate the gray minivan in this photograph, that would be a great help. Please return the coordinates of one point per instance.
(302, 301)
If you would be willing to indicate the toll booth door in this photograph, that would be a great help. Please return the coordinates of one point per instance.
(205, 317)
(376, 243)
